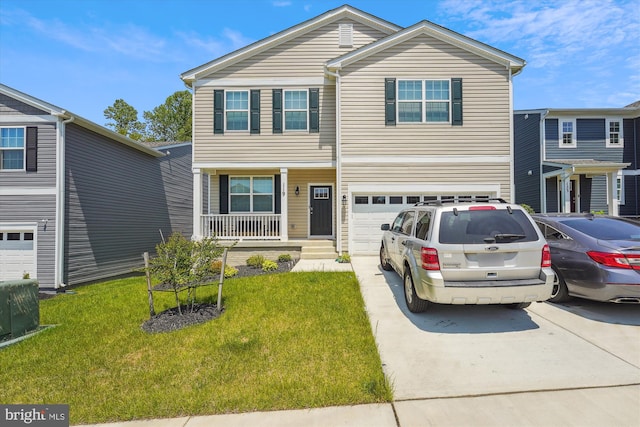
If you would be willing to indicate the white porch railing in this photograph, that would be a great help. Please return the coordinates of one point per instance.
(242, 226)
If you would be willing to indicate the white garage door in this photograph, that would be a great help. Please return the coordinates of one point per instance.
(368, 212)
(17, 254)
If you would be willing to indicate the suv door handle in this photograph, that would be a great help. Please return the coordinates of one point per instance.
(404, 243)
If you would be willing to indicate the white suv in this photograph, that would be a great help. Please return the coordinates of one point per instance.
(480, 252)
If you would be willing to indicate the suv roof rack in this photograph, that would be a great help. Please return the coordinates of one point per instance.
(460, 200)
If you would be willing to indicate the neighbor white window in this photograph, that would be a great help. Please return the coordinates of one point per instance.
(251, 194)
(614, 133)
(237, 110)
(567, 134)
(296, 110)
(12, 148)
(620, 188)
(421, 101)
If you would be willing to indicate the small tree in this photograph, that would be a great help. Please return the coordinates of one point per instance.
(124, 119)
(183, 264)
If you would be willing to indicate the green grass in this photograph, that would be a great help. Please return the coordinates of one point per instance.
(285, 341)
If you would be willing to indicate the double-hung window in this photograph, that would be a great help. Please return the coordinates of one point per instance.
(251, 194)
(614, 133)
(12, 148)
(421, 101)
(567, 134)
(296, 110)
(237, 110)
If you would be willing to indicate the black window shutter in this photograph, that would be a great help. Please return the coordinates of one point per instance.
(390, 102)
(224, 194)
(314, 110)
(276, 194)
(456, 98)
(218, 111)
(32, 149)
(255, 111)
(277, 110)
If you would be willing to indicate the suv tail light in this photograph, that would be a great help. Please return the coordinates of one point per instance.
(616, 260)
(546, 257)
(429, 257)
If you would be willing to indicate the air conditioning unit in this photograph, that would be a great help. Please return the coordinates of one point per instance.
(19, 308)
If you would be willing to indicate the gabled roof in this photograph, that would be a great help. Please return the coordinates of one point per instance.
(341, 12)
(514, 63)
(80, 121)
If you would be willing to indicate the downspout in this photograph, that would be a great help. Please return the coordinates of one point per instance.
(59, 254)
(339, 207)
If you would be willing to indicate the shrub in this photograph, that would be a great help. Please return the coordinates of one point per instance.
(527, 208)
(229, 271)
(256, 261)
(268, 265)
(344, 258)
(284, 258)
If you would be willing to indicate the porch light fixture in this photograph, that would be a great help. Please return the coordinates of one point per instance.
(297, 191)
(344, 200)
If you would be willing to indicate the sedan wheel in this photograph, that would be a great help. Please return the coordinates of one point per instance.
(560, 293)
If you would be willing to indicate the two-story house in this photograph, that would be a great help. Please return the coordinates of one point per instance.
(578, 160)
(79, 202)
(327, 129)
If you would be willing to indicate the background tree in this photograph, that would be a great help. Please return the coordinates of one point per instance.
(170, 121)
(124, 119)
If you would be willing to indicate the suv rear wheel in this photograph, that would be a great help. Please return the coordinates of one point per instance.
(383, 259)
(414, 303)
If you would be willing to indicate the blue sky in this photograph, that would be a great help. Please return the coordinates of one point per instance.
(82, 55)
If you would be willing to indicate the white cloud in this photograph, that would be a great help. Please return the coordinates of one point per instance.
(282, 3)
(229, 41)
(128, 40)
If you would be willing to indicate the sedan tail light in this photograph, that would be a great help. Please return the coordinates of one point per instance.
(546, 257)
(429, 257)
(616, 260)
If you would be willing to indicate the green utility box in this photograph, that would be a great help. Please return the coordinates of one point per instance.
(19, 308)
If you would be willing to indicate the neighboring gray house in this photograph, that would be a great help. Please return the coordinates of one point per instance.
(79, 202)
(592, 153)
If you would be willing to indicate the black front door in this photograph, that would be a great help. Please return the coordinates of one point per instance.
(320, 210)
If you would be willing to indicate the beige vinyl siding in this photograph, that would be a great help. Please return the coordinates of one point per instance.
(266, 146)
(299, 205)
(486, 104)
(303, 56)
(299, 58)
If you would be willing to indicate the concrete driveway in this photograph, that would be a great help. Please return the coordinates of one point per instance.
(576, 364)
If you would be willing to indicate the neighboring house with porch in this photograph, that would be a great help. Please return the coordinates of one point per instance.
(578, 160)
(327, 129)
(79, 202)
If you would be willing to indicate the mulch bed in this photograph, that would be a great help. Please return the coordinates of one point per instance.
(171, 320)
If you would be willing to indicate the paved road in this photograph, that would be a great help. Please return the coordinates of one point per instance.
(573, 364)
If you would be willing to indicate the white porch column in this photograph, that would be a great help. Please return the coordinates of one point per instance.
(284, 207)
(565, 204)
(197, 204)
(612, 200)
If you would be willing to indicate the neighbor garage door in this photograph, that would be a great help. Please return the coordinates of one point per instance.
(368, 212)
(17, 254)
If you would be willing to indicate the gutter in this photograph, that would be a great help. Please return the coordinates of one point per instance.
(59, 255)
(339, 194)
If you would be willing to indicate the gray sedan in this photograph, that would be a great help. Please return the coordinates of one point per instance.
(594, 257)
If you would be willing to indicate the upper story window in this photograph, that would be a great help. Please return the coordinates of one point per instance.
(567, 134)
(251, 193)
(12, 148)
(422, 101)
(295, 110)
(237, 110)
(614, 133)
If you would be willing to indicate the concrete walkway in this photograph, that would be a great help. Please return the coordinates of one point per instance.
(478, 365)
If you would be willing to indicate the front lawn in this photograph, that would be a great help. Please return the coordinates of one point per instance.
(285, 341)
